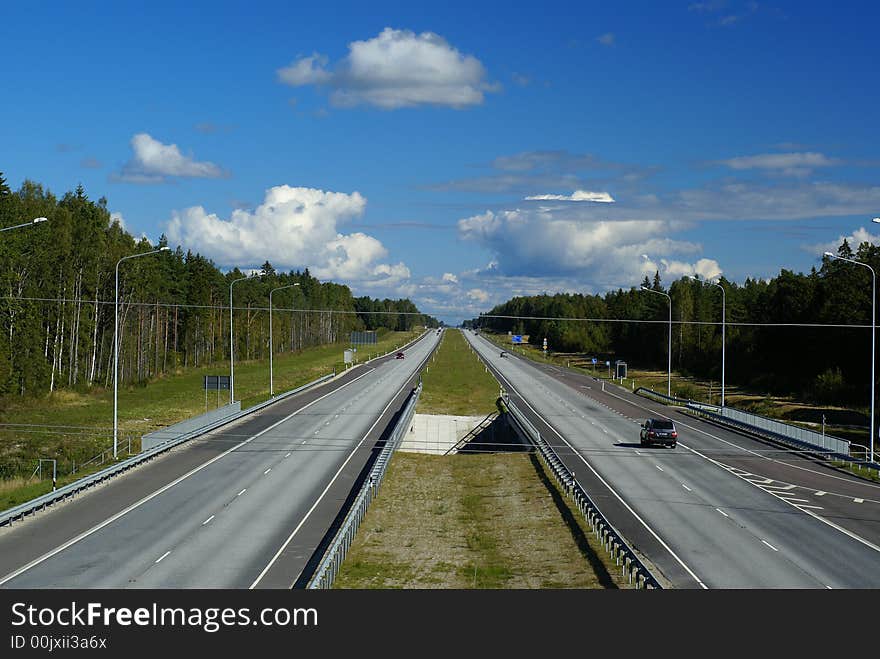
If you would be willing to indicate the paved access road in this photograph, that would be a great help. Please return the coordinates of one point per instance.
(704, 514)
(252, 505)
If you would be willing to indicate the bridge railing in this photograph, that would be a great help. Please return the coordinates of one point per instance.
(631, 566)
(333, 558)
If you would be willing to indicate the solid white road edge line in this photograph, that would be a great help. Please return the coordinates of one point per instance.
(819, 518)
(610, 489)
(147, 498)
(333, 480)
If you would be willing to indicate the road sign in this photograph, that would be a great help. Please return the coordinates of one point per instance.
(516, 338)
(363, 338)
(217, 382)
(545, 343)
(594, 360)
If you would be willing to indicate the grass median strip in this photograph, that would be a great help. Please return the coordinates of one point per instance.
(455, 381)
(473, 521)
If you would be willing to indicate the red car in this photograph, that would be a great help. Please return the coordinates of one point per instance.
(399, 355)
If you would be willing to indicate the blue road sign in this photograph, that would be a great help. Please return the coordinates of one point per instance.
(516, 338)
(594, 360)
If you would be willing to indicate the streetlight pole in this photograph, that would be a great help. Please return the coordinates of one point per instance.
(873, 330)
(669, 347)
(723, 326)
(271, 345)
(231, 342)
(36, 220)
(116, 346)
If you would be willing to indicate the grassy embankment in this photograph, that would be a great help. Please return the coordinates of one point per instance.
(471, 521)
(88, 417)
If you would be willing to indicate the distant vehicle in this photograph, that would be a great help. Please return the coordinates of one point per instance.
(399, 355)
(658, 431)
(503, 354)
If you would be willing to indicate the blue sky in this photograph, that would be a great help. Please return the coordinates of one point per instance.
(393, 147)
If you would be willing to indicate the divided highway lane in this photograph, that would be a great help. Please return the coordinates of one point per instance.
(700, 524)
(803, 481)
(228, 522)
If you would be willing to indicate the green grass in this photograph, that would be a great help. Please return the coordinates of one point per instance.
(473, 521)
(456, 382)
(88, 417)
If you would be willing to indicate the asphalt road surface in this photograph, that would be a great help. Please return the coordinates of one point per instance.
(244, 508)
(720, 510)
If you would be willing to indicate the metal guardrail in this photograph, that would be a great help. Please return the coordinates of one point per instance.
(630, 565)
(41, 502)
(776, 431)
(332, 560)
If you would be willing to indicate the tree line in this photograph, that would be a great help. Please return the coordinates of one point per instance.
(57, 289)
(821, 364)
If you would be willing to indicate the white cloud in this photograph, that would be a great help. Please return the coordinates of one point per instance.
(856, 238)
(600, 254)
(448, 276)
(117, 217)
(606, 39)
(577, 195)
(293, 228)
(705, 268)
(478, 295)
(305, 71)
(155, 162)
(789, 164)
(396, 69)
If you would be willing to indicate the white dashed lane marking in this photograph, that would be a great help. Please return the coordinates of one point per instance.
(722, 512)
(769, 545)
(208, 520)
(162, 556)
(242, 492)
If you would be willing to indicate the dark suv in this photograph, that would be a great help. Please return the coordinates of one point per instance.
(658, 431)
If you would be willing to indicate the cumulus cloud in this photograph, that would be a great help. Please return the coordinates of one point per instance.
(448, 276)
(606, 39)
(577, 195)
(788, 164)
(705, 268)
(294, 227)
(856, 238)
(478, 295)
(396, 69)
(604, 253)
(155, 162)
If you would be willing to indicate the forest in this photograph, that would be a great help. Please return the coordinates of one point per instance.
(57, 292)
(785, 335)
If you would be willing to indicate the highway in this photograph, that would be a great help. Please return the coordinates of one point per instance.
(245, 507)
(720, 510)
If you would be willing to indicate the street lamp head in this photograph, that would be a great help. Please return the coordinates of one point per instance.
(644, 288)
(829, 254)
(165, 249)
(37, 220)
